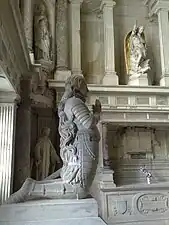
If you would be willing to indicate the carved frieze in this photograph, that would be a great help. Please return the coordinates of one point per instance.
(155, 203)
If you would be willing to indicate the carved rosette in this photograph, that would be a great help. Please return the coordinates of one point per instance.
(155, 203)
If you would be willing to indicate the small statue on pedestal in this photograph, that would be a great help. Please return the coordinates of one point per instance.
(135, 51)
(45, 156)
(42, 36)
(79, 148)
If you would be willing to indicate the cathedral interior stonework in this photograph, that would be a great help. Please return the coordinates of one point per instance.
(113, 55)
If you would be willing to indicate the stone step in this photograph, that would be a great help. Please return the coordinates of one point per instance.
(50, 212)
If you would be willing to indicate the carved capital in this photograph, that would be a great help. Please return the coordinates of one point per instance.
(75, 2)
(107, 3)
(9, 97)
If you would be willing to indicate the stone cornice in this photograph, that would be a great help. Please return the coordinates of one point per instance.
(9, 97)
(126, 104)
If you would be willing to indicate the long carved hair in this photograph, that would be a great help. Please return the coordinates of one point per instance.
(67, 127)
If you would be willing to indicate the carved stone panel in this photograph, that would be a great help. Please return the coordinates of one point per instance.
(119, 206)
(155, 203)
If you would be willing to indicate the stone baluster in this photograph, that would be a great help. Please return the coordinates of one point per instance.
(62, 63)
(110, 76)
(75, 42)
(23, 135)
(161, 9)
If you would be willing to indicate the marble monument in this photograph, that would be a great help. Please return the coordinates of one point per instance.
(78, 149)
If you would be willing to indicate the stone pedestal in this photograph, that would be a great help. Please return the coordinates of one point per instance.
(110, 79)
(135, 80)
(62, 75)
(52, 212)
(106, 179)
(23, 136)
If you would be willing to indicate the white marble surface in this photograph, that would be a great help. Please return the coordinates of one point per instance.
(60, 212)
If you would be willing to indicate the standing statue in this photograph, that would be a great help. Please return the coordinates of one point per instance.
(41, 34)
(45, 156)
(135, 52)
(79, 140)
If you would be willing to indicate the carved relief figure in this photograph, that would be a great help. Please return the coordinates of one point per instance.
(78, 148)
(136, 52)
(45, 156)
(41, 33)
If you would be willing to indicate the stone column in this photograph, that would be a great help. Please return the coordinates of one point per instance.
(62, 71)
(106, 172)
(161, 8)
(28, 25)
(110, 76)
(75, 42)
(23, 136)
(7, 140)
(106, 160)
(164, 46)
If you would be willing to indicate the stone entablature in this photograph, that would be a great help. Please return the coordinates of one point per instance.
(121, 104)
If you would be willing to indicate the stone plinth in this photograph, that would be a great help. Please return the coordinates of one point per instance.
(136, 204)
(62, 75)
(136, 80)
(52, 212)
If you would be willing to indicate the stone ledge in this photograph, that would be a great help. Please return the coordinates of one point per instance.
(48, 210)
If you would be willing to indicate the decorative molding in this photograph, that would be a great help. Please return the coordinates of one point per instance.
(153, 203)
(107, 3)
(9, 97)
(125, 104)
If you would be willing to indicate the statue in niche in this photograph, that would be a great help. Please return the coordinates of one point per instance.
(136, 52)
(45, 156)
(42, 35)
(79, 140)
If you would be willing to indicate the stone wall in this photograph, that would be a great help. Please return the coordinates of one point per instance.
(126, 13)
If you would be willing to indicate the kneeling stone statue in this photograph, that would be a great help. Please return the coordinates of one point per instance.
(79, 139)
